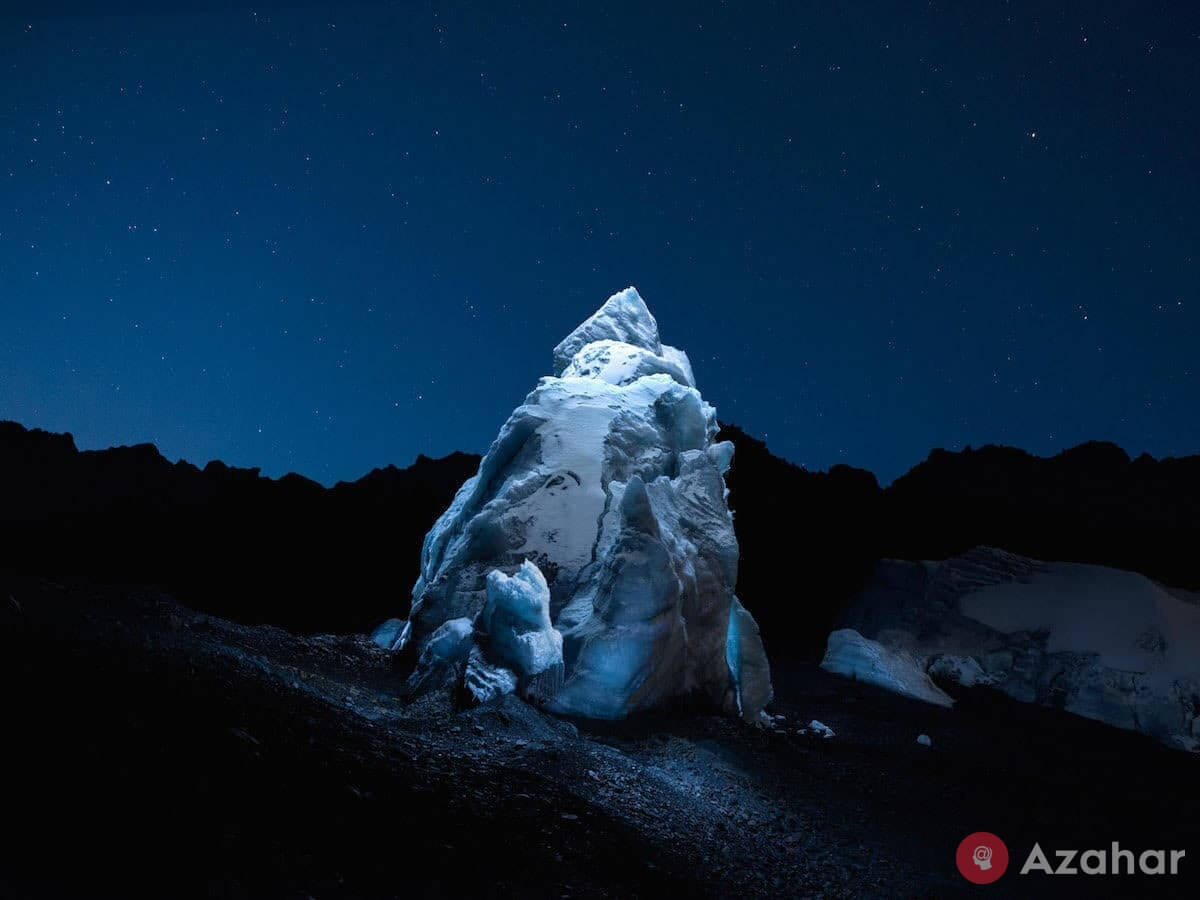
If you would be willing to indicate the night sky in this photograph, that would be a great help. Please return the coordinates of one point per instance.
(323, 238)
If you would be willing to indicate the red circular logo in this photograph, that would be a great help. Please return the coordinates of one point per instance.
(981, 857)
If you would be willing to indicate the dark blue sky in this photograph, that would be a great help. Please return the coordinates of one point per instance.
(323, 238)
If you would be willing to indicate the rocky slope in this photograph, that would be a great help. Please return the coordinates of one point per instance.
(152, 751)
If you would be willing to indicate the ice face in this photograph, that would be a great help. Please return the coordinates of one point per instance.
(446, 647)
(388, 634)
(849, 653)
(623, 318)
(599, 514)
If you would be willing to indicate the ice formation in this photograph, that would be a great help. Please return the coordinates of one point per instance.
(820, 728)
(514, 627)
(849, 653)
(388, 633)
(1102, 643)
(594, 552)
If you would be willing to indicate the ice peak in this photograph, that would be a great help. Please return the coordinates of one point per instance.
(592, 557)
(624, 317)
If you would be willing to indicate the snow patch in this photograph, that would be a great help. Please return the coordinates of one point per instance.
(1127, 620)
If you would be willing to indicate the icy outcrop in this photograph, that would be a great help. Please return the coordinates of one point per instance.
(603, 500)
(623, 319)
(900, 671)
(388, 634)
(442, 653)
(515, 622)
(821, 729)
(963, 670)
(1102, 643)
(486, 681)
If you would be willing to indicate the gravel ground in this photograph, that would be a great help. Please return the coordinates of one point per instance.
(153, 751)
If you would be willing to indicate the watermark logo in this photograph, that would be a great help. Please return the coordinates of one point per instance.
(982, 857)
(1114, 861)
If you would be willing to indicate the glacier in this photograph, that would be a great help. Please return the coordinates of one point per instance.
(1103, 643)
(593, 555)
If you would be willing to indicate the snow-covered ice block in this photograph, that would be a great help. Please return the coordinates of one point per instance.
(606, 481)
(849, 653)
(1104, 643)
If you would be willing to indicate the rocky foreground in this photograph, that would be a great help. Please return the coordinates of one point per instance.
(155, 751)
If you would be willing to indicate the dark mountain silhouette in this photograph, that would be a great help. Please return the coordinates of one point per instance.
(810, 540)
(1091, 503)
(223, 540)
(293, 553)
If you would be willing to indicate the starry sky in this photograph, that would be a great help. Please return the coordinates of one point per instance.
(325, 237)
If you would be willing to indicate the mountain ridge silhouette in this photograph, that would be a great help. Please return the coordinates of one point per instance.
(293, 553)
